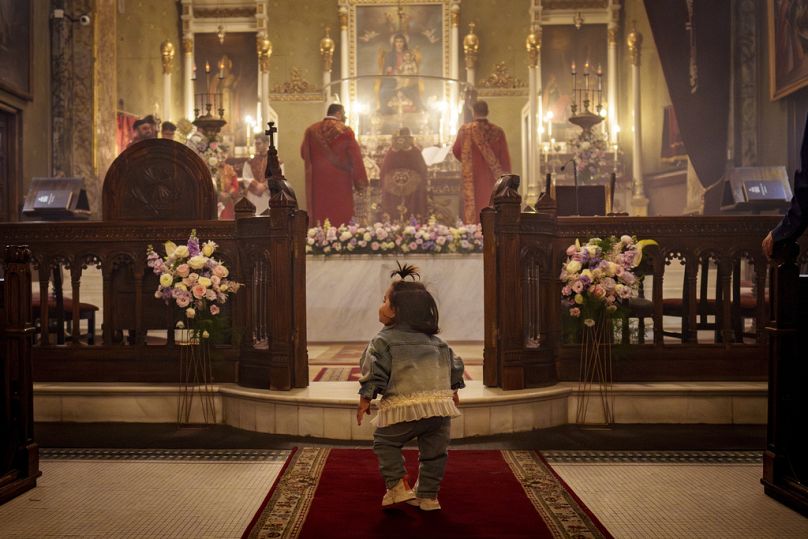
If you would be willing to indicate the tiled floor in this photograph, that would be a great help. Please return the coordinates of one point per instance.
(144, 494)
(664, 500)
(214, 493)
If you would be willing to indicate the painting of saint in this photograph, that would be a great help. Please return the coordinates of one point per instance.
(788, 46)
(395, 44)
(15, 47)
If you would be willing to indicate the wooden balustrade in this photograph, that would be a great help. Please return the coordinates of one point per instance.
(159, 190)
(267, 342)
(712, 304)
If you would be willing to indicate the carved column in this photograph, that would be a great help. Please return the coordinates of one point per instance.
(105, 73)
(343, 53)
(167, 55)
(611, 69)
(533, 47)
(188, 75)
(327, 53)
(264, 48)
(471, 46)
(639, 202)
(454, 53)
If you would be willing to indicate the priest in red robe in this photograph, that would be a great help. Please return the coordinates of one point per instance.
(334, 168)
(482, 150)
(403, 180)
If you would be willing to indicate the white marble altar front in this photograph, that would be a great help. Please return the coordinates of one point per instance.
(343, 294)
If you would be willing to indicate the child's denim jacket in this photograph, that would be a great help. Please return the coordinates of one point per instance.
(415, 373)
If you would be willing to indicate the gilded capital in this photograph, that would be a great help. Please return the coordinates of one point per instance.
(167, 53)
(634, 42)
(327, 49)
(343, 17)
(471, 45)
(533, 46)
(264, 49)
(455, 15)
(612, 35)
(187, 45)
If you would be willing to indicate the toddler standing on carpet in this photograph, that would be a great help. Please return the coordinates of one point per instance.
(418, 376)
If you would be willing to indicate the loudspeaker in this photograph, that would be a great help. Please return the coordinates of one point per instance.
(591, 200)
(56, 198)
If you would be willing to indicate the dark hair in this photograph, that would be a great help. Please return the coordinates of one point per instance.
(334, 108)
(414, 306)
(480, 108)
(168, 126)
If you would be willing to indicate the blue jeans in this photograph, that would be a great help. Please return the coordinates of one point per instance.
(433, 442)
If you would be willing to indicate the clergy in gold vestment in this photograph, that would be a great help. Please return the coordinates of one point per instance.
(403, 180)
(482, 150)
(334, 168)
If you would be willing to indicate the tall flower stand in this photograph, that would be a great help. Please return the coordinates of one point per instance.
(595, 382)
(196, 378)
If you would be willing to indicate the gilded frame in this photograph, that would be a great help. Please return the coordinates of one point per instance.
(17, 59)
(785, 80)
(353, 5)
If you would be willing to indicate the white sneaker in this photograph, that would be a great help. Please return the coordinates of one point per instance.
(426, 504)
(398, 494)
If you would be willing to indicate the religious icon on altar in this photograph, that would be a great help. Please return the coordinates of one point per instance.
(396, 47)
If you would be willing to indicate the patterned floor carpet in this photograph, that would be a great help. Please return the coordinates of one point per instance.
(317, 483)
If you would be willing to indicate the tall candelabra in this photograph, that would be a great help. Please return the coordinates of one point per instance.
(586, 98)
(207, 103)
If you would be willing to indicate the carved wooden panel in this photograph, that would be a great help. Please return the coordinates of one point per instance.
(158, 180)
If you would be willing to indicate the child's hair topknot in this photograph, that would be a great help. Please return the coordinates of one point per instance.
(413, 304)
(407, 270)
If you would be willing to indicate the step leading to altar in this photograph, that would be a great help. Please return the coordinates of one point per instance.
(327, 409)
(343, 294)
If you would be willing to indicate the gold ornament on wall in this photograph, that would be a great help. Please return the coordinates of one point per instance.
(501, 78)
(533, 46)
(455, 15)
(167, 53)
(471, 46)
(634, 42)
(263, 47)
(327, 50)
(295, 85)
(343, 17)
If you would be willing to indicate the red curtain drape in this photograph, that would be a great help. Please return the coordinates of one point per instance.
(703, 113)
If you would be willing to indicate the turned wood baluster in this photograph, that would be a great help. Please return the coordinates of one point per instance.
(761, 310)
(725, 305)
(106, 274)
(75, 286)
(689, 316)
(44, 291)
(656, 296)
(139, 274)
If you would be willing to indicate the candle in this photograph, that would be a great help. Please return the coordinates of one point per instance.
(221, 69)
(193, 72)
(207, 67)
(586, 76)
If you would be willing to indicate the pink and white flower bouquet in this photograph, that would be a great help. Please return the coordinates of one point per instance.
(193, 280)
(600, 277)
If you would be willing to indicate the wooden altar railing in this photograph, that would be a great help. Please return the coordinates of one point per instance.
(267, 347)
(723, 287)
(159, 190)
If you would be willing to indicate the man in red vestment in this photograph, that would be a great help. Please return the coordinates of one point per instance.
(403, 180)
(482, 150)
(334, 168)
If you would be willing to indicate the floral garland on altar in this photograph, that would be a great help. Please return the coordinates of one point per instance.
(390, 238)
(214, 154)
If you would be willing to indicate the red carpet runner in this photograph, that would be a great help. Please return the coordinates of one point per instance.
(336, 493)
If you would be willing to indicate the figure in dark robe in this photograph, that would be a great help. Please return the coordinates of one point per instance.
(404, 180)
